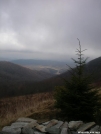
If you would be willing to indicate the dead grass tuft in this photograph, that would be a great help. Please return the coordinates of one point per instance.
(35, 106)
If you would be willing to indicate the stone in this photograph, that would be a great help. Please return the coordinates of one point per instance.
(74, 132)
(100, 129)
(64, 131)
(36, 132)
(1, 132)
(59, 124)
(41, 128)
(53, 130)
(27, 131)
(22, 119)
(32, 124)
(86, 126)
(11, 130)
(96, 128)
(46, 123)
(75, 124)
(19, 124)
(69, 132)
(52, 123)
(65, 125)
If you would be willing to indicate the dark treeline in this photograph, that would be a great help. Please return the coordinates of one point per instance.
(16, 88)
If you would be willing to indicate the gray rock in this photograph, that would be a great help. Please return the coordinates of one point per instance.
(100, 129)
(69, 132)
(32, 124)
(22, 119)
(59, 124)
(19, 124)
(11, 130)
(52, 123)
(74, 132)
(46, 123)
(75, 124)
(36, 132)
(86, 126)
(27, 131)
(1, 132)
(96, 128)
(65, 125)
(41, 128)
(53, 130)
(64, 131)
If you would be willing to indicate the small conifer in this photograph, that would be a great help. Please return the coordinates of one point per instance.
(78, 100)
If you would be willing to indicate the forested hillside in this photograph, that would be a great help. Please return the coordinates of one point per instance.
(16, 80)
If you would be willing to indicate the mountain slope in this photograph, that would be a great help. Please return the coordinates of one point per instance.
(94, 67)
(27, 86)
(10, 71)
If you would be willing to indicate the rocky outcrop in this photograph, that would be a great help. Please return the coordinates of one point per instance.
(31, 126)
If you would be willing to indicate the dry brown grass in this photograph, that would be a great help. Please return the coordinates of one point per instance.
(100, 90)
(37, 105)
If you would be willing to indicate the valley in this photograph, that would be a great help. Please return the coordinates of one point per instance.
(45, 71)
(18, 80)
(48, 69)
(49, 66)
(19, 85)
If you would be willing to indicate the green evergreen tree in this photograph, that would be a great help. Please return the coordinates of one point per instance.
(78, 100)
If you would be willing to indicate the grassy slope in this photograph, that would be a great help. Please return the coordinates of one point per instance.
(37, 106)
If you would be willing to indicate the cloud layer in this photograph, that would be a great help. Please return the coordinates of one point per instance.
(48, 29)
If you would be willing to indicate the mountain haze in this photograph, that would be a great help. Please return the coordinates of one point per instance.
(25, 81)
(49, 66)
(37, 62)
(10, 71)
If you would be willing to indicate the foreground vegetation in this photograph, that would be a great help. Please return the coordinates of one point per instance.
(77, 99)
(39, 106)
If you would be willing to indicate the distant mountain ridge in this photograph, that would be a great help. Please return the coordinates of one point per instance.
(28, 81)
(10, 71)
(95, 63)
(94, 67)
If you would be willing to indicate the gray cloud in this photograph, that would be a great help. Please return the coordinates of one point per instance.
(49, 29)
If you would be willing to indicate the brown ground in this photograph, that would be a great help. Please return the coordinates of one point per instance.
(37, 106)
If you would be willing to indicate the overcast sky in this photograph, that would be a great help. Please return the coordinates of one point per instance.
(48, 29)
